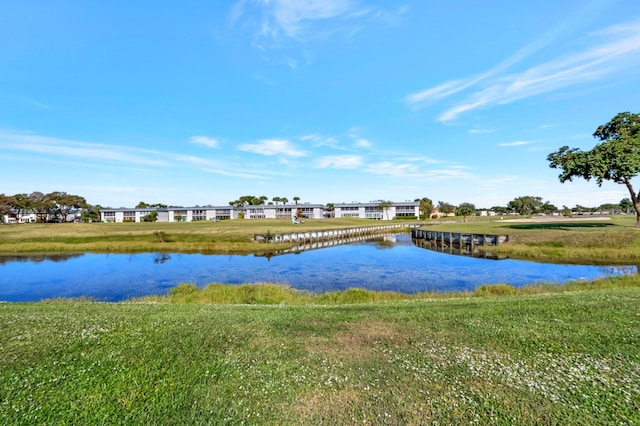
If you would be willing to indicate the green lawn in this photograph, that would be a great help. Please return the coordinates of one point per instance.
(615, 241)
(566, 358)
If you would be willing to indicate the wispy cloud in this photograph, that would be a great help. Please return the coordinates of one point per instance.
(318, 140)
(204, 140)
(67, 148)
(339, 162)
(277, 22)
(615, 50)
(516, 143)
(234, 174)
(480, 131)
(362, 143)
(271, 147)
(392, 169)
(37, 103)
(98, 154)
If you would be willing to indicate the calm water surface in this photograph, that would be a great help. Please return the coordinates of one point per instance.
(395, 264)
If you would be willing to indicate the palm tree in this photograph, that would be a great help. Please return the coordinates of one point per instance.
(296, 199)
(284, 200)
(384, 206)
(276, 200)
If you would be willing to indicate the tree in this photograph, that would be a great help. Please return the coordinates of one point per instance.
(425, 208)
(330, 208)
(284, 200)
(580, 209)
(21, 205)
(276, 200)
(6, 205)
(526, 205)
(41, 205)
(64, 203)
(385, 205)
(296, 199)
(445, 207)
(465, 209)
(616, 158)
(142, 205)
(91, 213)
(500, 209)
(626, 205)
(152, 216)
(548, 208)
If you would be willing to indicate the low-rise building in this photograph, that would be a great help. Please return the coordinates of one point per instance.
(374, 210)
(264, 211)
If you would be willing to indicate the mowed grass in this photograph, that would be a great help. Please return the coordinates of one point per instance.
(564, 358)
(230, 236)
(614, 241)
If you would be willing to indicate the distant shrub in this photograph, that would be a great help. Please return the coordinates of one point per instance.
(496, 290)
(162, 236)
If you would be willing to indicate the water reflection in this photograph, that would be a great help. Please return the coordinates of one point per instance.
(381, 263)
(160, 258)
(38, 258)
(380, 241)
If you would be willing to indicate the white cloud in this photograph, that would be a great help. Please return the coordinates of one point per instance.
(318, 140)
(271, 147)
(234, 174)
(480, 131)
(392, 169)
(362, 143)
(618, 54)
(339, 162)
(56, 147)
(516, 143)
(206, 141)
(291, 15)
(277, 22)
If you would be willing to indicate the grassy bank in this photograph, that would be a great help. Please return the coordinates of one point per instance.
(274, 294)
(231, 236)
(600, 242)
(565, 358)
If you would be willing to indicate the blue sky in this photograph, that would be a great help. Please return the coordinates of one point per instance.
(199, 102)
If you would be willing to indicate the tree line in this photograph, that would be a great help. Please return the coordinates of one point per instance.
(252, 200)
(52, 207)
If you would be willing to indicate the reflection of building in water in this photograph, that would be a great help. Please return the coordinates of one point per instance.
(38, 258)
(619, 270)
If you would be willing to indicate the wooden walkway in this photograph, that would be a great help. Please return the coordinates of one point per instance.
(328, 234)
(459, 238)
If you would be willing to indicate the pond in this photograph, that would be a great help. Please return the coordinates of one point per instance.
(392, 262)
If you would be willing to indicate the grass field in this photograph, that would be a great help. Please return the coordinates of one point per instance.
(615, 241)
(266, 354)
(605, 242)
(231, 236)
(566, 358)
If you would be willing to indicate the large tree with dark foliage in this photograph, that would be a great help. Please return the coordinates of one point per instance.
(616, 158)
